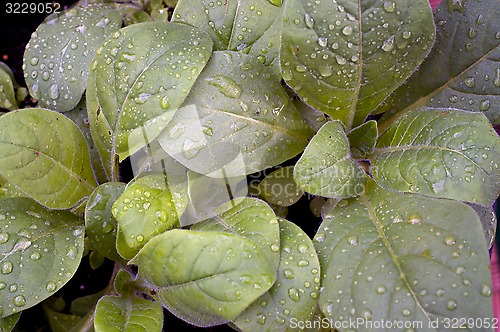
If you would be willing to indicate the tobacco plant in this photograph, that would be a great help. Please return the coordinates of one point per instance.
(380, 113)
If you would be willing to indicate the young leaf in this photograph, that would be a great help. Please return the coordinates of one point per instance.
(127, 314)
(440, 153)
(46, 156)
(333, 54)
(237, 120)
(462, 69)
(138, 79)
(7, 95)
(280, 188)
(145, 209)
(362, 139)
(296, 290)
(205, 278)
(250, 218)
(326, 167)
(57, 58)
(7, 324)
(100, 224)
(37, 242)
(403, 257)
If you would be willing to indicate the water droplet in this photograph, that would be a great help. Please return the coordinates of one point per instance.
(51, 286)
(261, 319)
(471, 33)
(164, 102)
(4, 237)
(309, 21)
(415, 219)
(352, 240)
(34, 61)
(486, 290)
(288, 274)
(54, 91)
(2, 285)
(139, 238)
(294, 294)
(45, 75)
(72, 251)
(366, 314)
(496, 81)
(303, 263)
(449, 240)
(470, 82)
(484, 105)
(406, 312)
(35, 256)
(406, 34)
(389, 6)
(340, 59)
(439, 292)
(326, 71)
(381, 289)
(208, 130)
(192, 148)
(301, 68)
(19, 301)
(323, 41)
(303, 248)
(388, 45)
(7, 267)
(347, 30)
(460, 5)
(226, 85)
(106, 227)
(13, 288)
(451, 305)
(176, 131)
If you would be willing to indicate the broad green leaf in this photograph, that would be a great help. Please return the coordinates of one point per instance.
(138, 79)
(7, 324)
(46, 156)
(79, 116)
(440, 153)
(100, 224)
(313, 118)
(81, 306)
(250, 218)
(296, 290)
(362, 139)
(7, 95)
(60, 322)
(205, 278)
(462, 70)
(145, 209)
(206, 194)
(403, 257)
(58, 56)
(280, 188)
(333, 54)
(326, 167)
(127, 314)
(237, 120)
(253, 27)
(37, 242)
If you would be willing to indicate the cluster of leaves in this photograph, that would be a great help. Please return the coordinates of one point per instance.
(400, 154)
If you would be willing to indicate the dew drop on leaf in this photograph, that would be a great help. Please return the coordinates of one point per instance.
(294, 294)
(451, 305)
(51, 286)
(19, 301)
(4, 237)
(309, 21)
(261, 318)
(486, 290)
(347, 30)
(7, 267)
(389, 6)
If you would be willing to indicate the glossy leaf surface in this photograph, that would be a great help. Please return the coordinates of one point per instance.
(280, 188)
(58, 56)
(46, 156)
(37, 242)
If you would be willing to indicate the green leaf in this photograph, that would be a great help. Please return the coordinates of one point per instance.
(7, 95)
(138, 79)
(403, 257)
(237, 120)
(81, 306)
(145, 209)
(58, 56)
(60, 322)
(252, 27)
(333, 54)
(296, 290)
(37, 242)
(100, 224)
(7, 324)
(9, 190)
(488, 220)
(362, 139)
(79, 116)
(46, 156)
(205, 278)
(440, 153)
(280, 188)
(462, 71)
(326, 167)
(250, 218)
(127, 314)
